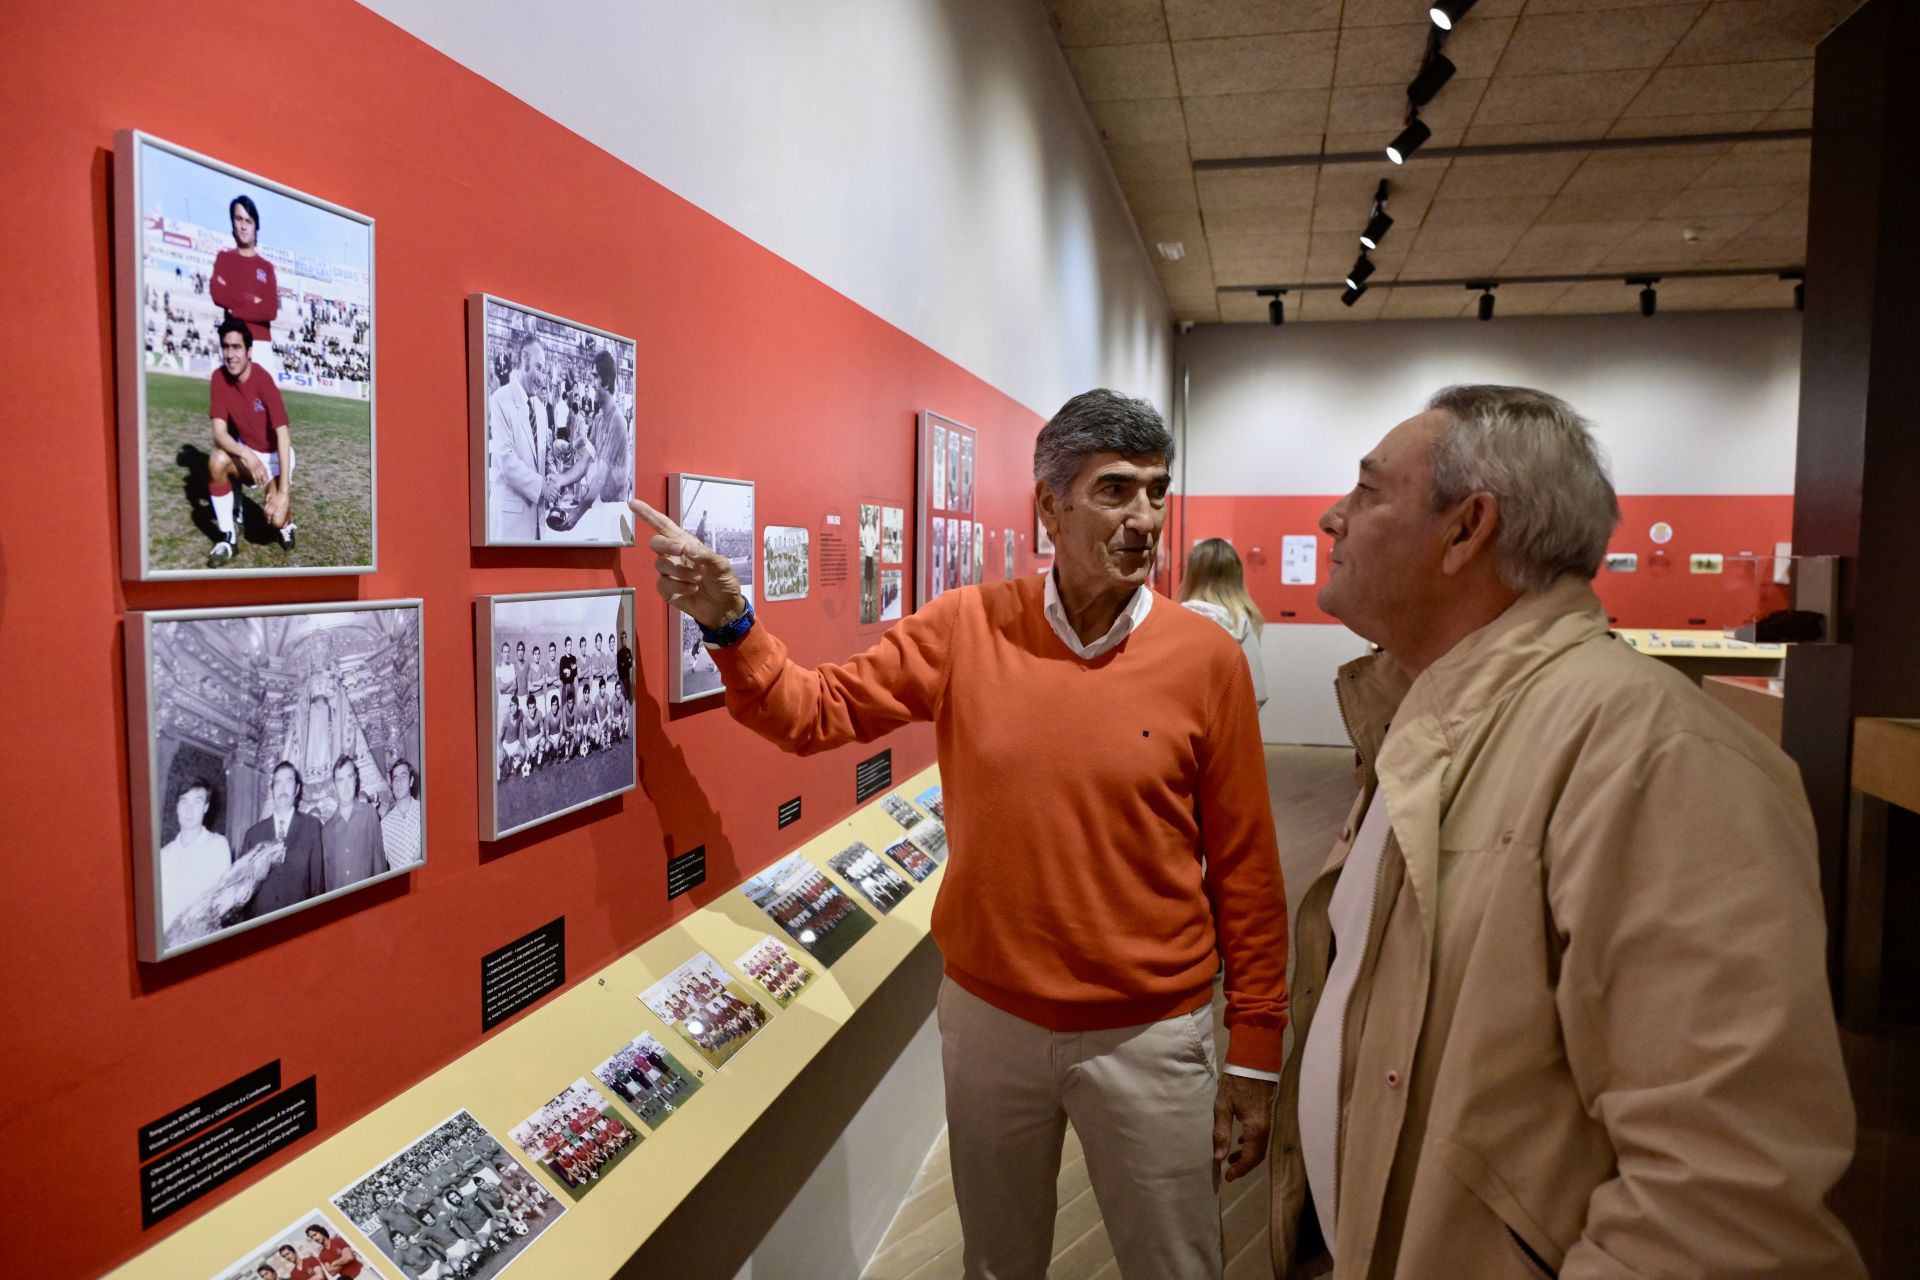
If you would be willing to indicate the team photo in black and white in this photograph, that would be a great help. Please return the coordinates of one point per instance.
(553, 429)
(785, 560)
(281, 747)
(719, 513)
(877, 882)
(556, 701)
(900, 811)
(809, 907)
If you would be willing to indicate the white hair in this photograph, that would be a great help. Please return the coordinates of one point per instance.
(1539, 459)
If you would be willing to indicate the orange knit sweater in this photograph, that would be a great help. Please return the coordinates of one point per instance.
(1111, 830)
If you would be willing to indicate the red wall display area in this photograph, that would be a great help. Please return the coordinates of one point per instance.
(747, 367)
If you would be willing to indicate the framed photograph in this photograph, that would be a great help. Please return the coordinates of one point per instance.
(719, 512)
(809, 907)
(552, 405)
(900, 811)
(775, 971)
(310, 1246)
(911, 860)
(274, 754)
(869, 564)
(877, 882)
(648, 1078)
(555, 703)
(707, 1008)
(577, 1137)
(784, 557)
(245, 372)
(452, 1202)
(945, 451)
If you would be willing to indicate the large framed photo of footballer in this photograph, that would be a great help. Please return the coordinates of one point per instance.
(275, 757)
(245, 364)
(719, 512)
(556, 701)
(943, 494)
(553, 421)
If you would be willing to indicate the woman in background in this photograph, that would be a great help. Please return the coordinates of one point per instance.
(1215, 587)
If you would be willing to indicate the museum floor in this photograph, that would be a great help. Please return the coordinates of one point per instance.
(1312, 788)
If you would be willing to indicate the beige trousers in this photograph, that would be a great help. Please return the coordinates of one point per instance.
(1140, 1099)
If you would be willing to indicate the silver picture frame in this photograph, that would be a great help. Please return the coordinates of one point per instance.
(941, 443)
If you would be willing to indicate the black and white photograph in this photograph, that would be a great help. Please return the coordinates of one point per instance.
(245, 372)
(966, 474)
(900, 811)
(647, 1078)
(869, 563)
(775, 970)
(967, 528)
(938, 557)
(877, 882)
(707, 1008)
(719, 512)
(890, 603)
(809, 907)
(309, 1249)
(552, 435)
(979, 552)
(785, 560)
(954, 560)
(912, 860)
(893, 535)
(577, 1137)
(275, 755)
(453, 1203)
(932, 838)
(933, 800)
(555, 689)
(954, 451)
(937, 496)
(1006, 552)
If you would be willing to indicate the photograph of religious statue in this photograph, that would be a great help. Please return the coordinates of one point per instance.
(275, 755)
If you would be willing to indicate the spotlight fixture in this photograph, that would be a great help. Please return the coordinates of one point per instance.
(1410, 140)
(1358, 273)
(1649, 300)
(1438, 70)
(1352, 295)
(1377, 225)
(1447, 14)
(1486, 288)
(1276, 309)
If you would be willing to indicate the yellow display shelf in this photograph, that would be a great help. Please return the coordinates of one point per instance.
(513, 1073)
(1698, 644)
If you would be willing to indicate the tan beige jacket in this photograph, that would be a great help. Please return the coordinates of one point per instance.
(1592, 1035)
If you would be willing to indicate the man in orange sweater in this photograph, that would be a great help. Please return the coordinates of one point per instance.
(1107, 796)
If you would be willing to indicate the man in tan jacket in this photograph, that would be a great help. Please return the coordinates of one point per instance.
(1560, 999)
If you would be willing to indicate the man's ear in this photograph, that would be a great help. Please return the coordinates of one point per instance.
(1471, 532)
(1047, 503)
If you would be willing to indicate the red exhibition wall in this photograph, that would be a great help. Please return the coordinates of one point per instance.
(1661, 592)
(747, 367)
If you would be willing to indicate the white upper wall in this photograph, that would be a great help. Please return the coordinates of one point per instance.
(1703, 402)
(930, 159)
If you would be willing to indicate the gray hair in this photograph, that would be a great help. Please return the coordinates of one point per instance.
(1537, 456)
(1097, 421)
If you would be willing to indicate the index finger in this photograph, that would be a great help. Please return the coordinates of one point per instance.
(659, 522)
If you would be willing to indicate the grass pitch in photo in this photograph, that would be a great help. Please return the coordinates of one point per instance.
(707, 1008)
(648, 1079)
(577, 1137)
(810, 907)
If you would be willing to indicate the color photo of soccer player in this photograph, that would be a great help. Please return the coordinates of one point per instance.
(707, 1008)
(311, 1248)
(553, 428)
(453, 1203)
(246, 333)
(577, 1137)
(561, 730)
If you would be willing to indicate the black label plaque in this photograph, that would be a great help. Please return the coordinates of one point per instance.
(789, 812)
(521, 972)
(686, 870)
(873, 775)
(183, 1122)
(182, 1176)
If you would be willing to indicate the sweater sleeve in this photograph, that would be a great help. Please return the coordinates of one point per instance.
(802, 710)
(1243, 875)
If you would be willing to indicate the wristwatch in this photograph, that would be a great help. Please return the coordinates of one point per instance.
(730, 632)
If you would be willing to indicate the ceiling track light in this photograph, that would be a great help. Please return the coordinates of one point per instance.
(1411, 139)
(1276, 309)
(1446, 15)
(1649, 300)
(1485, 289)
(1432, 78)
(1352, 295)
(1377, 225)
(1358, 273)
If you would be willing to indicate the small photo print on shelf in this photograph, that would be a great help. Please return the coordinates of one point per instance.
(556, 704)
(911, 859)
(577, 1137)
(893, 535)
(452, 1203)
(310, 1246)
(900, 811)
(785, 560)
(869, 563)
(246, 372)
(809, 907)
(932, 838)
(707, 1008)
(775, 970)
(719, 512)
(552, 435)
(877, 882)
(275, 756)
(648, 1078)
(933, 801)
